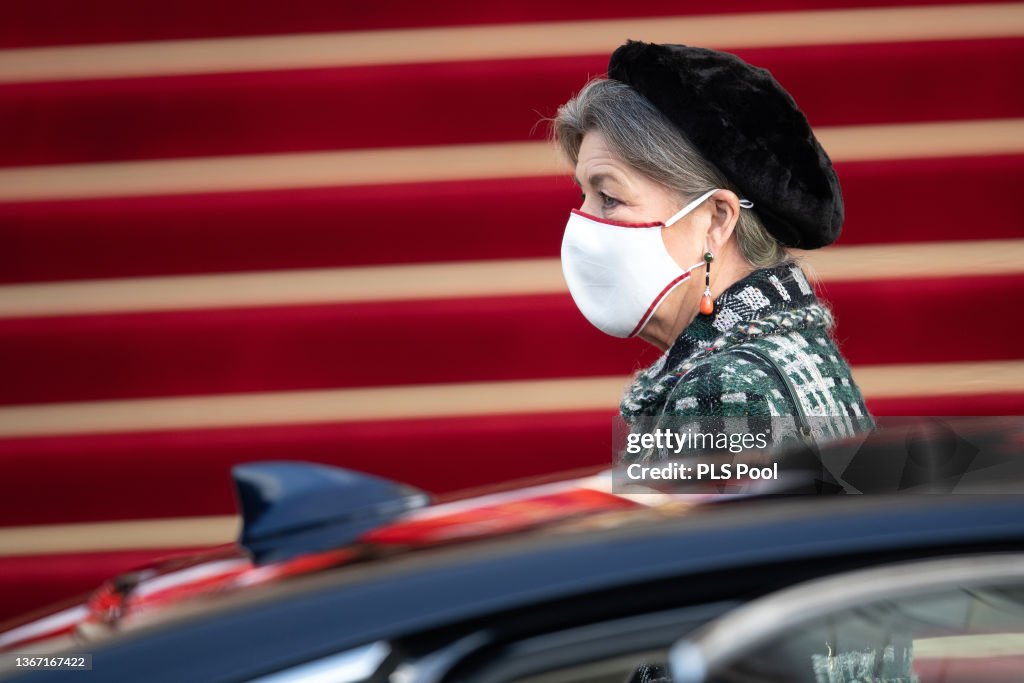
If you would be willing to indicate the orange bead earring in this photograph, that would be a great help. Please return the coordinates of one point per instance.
(707, 306)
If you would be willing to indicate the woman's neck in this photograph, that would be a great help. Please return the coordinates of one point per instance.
(681, 306)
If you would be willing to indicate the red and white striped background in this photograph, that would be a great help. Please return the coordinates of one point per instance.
(319, 231)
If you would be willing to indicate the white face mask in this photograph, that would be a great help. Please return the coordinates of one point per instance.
(619, 273)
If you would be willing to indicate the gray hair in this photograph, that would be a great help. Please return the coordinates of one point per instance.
(646, 140)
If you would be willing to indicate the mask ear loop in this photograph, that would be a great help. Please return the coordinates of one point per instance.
(707, 304)
(745, 203)
(690, 207)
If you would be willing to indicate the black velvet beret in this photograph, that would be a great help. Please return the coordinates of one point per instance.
(746, 124)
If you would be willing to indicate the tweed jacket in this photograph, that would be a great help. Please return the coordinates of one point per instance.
(708, 371)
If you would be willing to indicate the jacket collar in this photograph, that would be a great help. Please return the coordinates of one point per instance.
(767, 301)
(759, 294)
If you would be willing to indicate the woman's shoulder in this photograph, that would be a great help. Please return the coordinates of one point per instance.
(732, 382)
(766, 376)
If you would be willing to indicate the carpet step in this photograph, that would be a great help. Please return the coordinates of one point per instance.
(454, 340)
(146, 475)
(465, 102)
(166, 474)
(58, 22)
(446, 221)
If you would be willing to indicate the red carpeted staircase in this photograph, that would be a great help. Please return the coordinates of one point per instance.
(137, 368)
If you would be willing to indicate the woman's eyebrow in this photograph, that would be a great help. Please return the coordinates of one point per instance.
(595, 179)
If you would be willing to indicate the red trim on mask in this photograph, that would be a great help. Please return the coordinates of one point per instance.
(617, 224)
(657, 300)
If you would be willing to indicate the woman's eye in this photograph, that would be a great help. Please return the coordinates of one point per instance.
(606, 201)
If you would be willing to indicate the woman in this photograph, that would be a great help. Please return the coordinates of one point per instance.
(697, 170)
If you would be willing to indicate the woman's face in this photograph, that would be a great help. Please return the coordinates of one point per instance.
(615, 191)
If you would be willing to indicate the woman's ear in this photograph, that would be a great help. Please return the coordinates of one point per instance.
(725, 212)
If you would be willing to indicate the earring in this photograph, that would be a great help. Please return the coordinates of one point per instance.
(707, 306)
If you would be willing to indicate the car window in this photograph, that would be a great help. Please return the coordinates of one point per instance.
(897, 625)
(953, 636)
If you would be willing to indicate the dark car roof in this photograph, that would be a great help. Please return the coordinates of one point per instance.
(282, 625)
